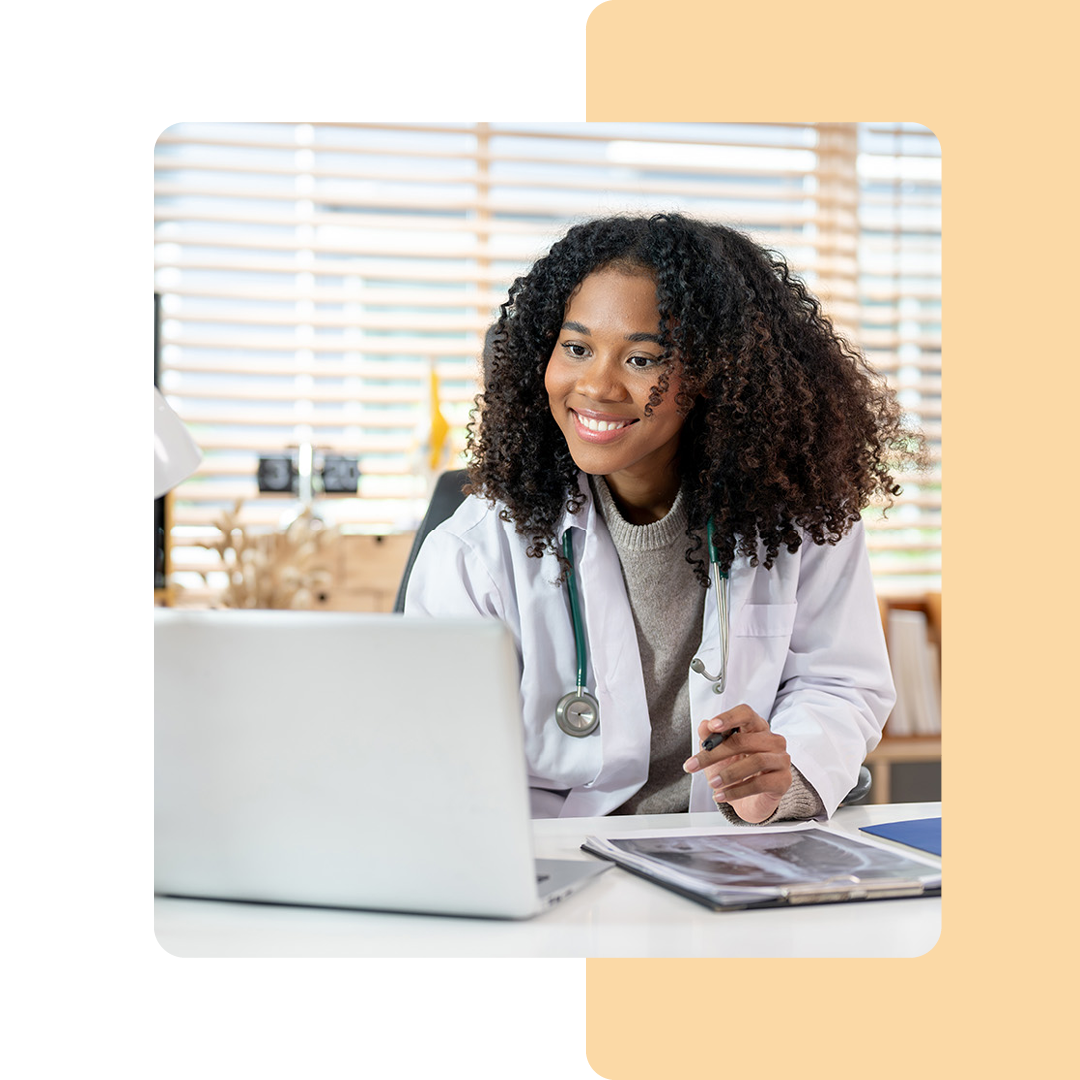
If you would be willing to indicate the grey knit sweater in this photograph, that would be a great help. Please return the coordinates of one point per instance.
(668, 607)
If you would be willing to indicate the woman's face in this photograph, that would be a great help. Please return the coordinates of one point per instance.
(600, 376)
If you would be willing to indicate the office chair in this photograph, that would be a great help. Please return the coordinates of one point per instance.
(861, 789)
(445, 499)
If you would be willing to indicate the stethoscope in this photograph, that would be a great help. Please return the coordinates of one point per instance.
(578, 712)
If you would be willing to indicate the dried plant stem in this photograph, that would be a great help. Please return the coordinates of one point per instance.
(282, 569)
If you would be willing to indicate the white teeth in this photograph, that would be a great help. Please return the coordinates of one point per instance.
(601, 425)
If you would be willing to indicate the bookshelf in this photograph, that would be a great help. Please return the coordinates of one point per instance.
(895, 749)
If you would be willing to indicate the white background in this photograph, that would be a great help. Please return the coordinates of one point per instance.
(86, 90)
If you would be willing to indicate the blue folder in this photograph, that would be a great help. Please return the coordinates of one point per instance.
(922, 833)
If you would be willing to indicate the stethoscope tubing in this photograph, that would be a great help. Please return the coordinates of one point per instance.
(575, 609)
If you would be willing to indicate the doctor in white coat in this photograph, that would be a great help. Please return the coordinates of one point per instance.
(622, 385)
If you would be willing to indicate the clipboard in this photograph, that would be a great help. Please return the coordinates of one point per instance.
(748, 869)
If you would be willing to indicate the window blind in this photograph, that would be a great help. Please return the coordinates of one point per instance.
(314, 276)
(899, 168)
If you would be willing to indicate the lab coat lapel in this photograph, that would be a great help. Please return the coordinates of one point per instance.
(704, 702)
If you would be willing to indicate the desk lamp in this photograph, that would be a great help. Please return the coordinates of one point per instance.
(176, 456)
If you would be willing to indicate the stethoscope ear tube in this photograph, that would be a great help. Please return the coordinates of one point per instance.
(722, 584)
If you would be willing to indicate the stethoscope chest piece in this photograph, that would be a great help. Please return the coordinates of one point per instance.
(578, 713)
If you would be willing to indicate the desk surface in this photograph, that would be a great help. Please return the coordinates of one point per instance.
(618, 914)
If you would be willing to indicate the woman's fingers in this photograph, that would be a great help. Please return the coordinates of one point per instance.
(743, 730)
(742, 717)
(751, 774)
(750, 769)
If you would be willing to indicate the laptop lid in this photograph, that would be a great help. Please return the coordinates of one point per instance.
(369, 761)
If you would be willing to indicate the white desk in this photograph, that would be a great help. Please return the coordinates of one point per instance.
(616, 915)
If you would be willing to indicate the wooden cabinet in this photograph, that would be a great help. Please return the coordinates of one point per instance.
(367, 572)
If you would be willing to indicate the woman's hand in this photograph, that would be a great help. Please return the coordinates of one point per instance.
(750, 769)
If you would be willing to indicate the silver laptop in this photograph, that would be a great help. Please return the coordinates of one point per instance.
(360, 761)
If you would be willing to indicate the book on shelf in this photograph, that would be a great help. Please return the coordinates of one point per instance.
(916, 669)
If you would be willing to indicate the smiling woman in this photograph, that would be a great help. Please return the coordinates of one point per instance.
(662, 393)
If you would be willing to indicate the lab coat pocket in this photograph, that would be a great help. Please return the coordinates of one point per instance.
(765, 620)
(558, 760)
(760, 638)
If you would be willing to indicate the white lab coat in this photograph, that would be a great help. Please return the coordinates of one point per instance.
(806, 651)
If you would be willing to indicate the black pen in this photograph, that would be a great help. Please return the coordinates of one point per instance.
(714, 740)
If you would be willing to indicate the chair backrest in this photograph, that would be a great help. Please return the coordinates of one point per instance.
(445, 499)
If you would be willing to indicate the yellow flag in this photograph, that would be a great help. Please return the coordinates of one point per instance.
(439, 427)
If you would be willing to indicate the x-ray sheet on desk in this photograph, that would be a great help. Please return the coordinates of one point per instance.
(746, 869)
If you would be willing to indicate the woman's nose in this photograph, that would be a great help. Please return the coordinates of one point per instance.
(600, 380)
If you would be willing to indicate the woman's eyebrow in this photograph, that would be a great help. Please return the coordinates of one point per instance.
(581, 328)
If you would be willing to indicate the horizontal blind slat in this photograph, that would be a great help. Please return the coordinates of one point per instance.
(349, 295)
(385, 346)
(718, 190)
(310, 248)
(366, 370)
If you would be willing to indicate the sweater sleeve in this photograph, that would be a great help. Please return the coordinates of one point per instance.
(799, 803)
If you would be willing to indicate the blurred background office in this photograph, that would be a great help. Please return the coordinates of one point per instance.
(321, 297)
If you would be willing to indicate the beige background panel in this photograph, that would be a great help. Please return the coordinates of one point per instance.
(994, 89)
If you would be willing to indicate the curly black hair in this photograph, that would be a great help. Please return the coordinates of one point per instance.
(786, 428)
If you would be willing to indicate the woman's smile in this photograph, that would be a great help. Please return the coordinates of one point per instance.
(595, 427)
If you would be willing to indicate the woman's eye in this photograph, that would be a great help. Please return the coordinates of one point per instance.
(575, 350)
(644, 361)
